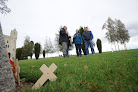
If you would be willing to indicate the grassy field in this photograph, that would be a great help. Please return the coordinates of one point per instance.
(109, 71)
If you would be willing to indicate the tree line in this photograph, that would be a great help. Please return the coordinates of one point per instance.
(29, 48)
(26, 50)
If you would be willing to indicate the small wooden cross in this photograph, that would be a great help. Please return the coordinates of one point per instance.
(18, 71)
(47, 74)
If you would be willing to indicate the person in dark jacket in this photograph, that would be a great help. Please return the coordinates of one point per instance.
(78, 41)
(63, 40)
(68, 45)
(87, 37)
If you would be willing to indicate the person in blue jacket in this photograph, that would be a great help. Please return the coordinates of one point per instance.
(78, 41)
(87, 36)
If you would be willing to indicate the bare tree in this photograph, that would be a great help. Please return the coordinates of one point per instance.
(58, 47)
(46, 46)
(51, 47)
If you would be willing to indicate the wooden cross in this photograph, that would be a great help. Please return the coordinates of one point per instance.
(47, 74)
(18, 71)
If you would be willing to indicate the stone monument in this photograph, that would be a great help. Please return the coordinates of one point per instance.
(7, 82)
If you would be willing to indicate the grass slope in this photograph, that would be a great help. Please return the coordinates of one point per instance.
(110, 71)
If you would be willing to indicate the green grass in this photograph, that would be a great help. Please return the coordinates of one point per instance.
(109, 71)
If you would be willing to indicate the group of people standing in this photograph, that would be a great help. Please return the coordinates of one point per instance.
(64, 40)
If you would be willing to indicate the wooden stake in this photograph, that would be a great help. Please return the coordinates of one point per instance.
(18, 71)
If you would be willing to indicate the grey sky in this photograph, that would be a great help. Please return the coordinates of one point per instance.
(41, 18)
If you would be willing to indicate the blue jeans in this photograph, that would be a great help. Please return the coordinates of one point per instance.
(78, 49)
(67, 52)
(87, 44)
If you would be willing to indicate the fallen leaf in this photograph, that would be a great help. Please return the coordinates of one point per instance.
(118, 60)
(119, 82)
(93, 88)
(102, 67)
(108, 78)
(110, 70)
(65, 64)
(80, 82)
(89, 85)
(110, 82)
(117, 87)
(56, 73)
(125, 54)
(74, 88)
(85, 67)
(32, 66)
(123, 69)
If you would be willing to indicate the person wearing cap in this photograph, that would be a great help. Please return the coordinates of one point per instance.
(87, 36)
(63, 40)
(78, 41)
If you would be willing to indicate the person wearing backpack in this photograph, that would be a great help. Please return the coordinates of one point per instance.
(78, 41)
(63, 40)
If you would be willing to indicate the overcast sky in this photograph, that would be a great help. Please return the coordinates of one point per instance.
(41, 18)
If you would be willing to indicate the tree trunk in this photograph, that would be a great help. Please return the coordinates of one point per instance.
(115, 46)
(58, 53)
(125, 46)
(7, 82)
(118, 46)
(36, 58)
(112, 48)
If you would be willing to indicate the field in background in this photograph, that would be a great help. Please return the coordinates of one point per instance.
(109, 71)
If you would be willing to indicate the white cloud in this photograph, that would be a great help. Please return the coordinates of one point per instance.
(41, 18)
